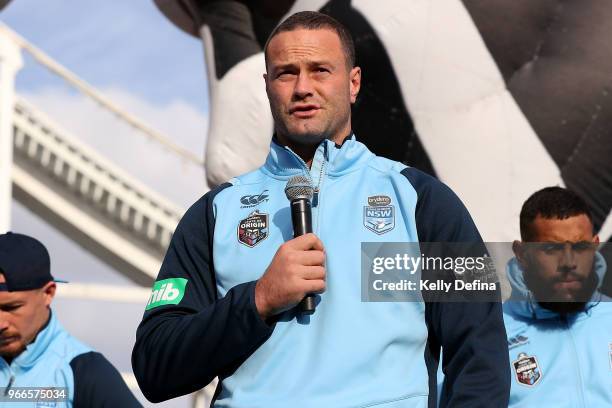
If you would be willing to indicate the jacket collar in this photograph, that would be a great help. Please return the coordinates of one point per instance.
(41, 343)
(522, 301)
(283, 163)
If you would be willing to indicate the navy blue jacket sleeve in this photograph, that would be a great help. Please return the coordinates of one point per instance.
(471, 335)
(181, 347)
(97, 384)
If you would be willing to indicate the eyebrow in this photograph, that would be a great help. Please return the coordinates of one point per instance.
(293, 65)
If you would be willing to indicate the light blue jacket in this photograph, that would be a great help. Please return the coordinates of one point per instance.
(558, 361)
(349, 353)
(44, 363)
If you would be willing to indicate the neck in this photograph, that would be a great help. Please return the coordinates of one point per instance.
(564, 308)
(43, 326)
(307, 151)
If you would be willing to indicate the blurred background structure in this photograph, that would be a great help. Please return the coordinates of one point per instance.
(103, 117)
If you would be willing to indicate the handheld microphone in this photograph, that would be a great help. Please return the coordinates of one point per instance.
(299, 192)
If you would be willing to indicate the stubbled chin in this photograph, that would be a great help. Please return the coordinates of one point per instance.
(11, 349)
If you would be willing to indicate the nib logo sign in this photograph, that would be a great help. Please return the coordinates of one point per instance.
(167, 292)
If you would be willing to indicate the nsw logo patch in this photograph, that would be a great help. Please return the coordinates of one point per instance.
(526, 370)
(379, 214)
(253, 229)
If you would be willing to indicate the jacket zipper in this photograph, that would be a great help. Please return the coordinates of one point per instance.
(316, 198)
(317, 188)
(11, 376)
(576, 360)
(10, 383)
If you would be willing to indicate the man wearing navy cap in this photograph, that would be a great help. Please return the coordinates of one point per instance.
(36, 350)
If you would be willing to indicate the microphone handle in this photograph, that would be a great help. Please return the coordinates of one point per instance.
(301, 216)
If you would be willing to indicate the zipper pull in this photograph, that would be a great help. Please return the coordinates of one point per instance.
(315, 197)
(9, 385)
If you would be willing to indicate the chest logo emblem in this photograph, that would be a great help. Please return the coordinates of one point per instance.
(253, 200)
(379, 214)
(517, 341)
(526, 370)
(253, 229)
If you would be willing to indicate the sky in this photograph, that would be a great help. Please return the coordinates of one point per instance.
(131, 53)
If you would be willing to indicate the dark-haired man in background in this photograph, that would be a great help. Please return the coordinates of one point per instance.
(223, 303)
(559, 325)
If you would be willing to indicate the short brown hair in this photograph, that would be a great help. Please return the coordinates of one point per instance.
(313, 20)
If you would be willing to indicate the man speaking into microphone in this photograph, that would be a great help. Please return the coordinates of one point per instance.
(227, 299)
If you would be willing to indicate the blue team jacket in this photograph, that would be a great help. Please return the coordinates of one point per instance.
(560, 361)
(348, 353)
(56, 359)
(44, 363)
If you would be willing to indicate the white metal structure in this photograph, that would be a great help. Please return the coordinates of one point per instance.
(10, 63)
(89, 198)
(78, 191)
(71, 186)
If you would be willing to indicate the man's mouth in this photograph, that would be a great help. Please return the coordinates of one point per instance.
(569, 284)
(7, 340)
(304, 111)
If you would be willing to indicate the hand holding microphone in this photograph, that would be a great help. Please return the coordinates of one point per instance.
(297, 270)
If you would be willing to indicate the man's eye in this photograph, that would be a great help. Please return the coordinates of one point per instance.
(322, 70)
(551, 248)
(582, 246)
(10, 308)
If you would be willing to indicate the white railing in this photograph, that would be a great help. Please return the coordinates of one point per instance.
(93, 179)
(70, 185)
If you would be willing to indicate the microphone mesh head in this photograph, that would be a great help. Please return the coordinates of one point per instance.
(299, 187)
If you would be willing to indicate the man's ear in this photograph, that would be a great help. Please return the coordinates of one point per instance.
(518, 248)
(265, 77)
(49, 292)
(355, 85)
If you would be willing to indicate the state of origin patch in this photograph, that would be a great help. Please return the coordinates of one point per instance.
(253, 229)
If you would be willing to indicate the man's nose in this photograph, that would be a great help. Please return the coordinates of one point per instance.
(568, 258)
(4, 324)
(303, 86)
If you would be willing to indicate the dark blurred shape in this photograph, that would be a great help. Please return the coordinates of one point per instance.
(556, 59)
(3, 3)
